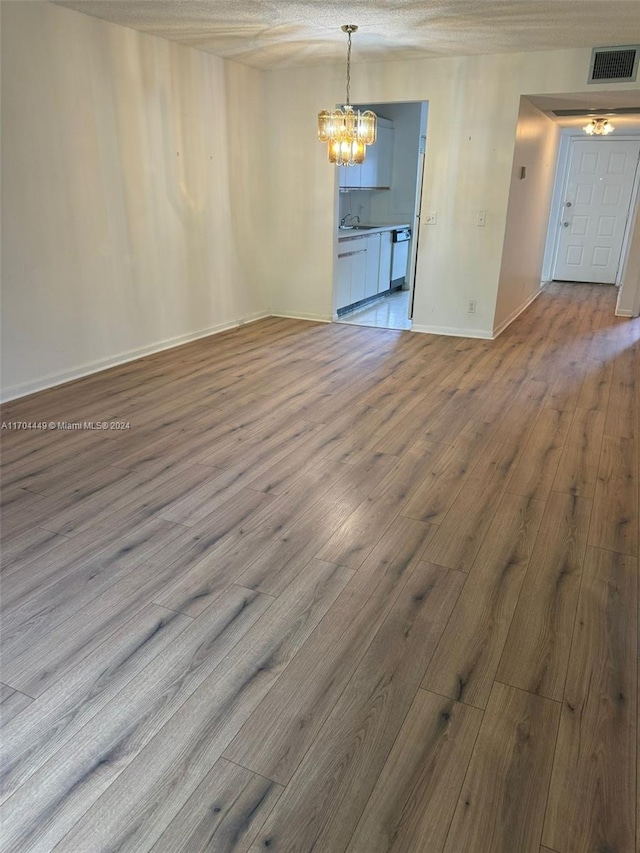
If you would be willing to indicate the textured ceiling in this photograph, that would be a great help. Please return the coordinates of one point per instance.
(268, 34)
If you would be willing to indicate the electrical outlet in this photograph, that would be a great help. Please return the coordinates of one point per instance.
(472, 307)
(431, 218)
(481, 219)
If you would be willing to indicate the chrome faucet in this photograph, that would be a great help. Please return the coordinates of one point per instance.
(349, 218)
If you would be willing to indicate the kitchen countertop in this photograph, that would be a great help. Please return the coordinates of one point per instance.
(363, 230)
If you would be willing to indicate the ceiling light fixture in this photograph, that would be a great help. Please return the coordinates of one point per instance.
(599, 126)
(347, 132)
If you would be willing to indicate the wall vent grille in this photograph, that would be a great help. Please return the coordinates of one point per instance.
(614, 64)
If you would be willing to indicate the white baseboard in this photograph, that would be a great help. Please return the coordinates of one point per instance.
(318, 318)
(624, 312)
(514, 314)
(452, 331)
(51, 380)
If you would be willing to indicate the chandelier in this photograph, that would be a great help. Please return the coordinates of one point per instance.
(599, 126)
(347, 132)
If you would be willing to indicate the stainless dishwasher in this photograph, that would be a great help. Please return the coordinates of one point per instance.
(399, 255)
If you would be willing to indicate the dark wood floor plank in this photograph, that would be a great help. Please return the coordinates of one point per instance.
(23, 511)
(278, 733)
(194, 589)
(48, 804)
(597, 740)
(286, 557)
(452, 466)
(414, 428)
(354, 540)
(498, 396)
(468, 654)
(197, 440)
(614, 524)
(60, 712)
(225, 812)
(413, 802)
(12, 703)
(536, 652)
(518, 421)
(28, 547)
(596, 386)
(623, 404)
(456, 414)
(26, 621)
(149, 491)
(353, 745)
(534, 474)
(578, 466)
(234, 479)
(70, 555)
(502, 802)
(458, 538)
(565, 391)
(196, 507)
(277, 479)
(172, 765)
(41, 664)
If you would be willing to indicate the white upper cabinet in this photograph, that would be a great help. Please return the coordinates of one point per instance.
(375, 172)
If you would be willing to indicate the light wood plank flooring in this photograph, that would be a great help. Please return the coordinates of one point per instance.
(333, 589)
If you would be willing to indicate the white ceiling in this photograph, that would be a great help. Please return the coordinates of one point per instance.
(270, 34)
(589, 101)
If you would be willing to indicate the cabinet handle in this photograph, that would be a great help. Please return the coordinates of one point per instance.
(348, 254)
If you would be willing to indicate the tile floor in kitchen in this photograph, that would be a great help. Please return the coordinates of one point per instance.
(390, 312)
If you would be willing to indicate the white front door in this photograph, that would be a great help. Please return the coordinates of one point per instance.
(596, 206)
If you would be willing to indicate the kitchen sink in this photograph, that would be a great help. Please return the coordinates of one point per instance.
(358, 227)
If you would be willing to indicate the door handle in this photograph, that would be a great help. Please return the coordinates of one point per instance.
(565, 224)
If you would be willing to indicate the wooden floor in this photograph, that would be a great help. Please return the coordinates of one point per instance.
(334, 589)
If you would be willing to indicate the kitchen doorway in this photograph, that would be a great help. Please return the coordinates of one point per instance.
(389, 312)
(377, 221)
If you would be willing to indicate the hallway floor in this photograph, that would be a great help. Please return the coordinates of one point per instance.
(390, 312)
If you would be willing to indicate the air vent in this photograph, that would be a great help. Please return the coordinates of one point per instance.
(614, 64)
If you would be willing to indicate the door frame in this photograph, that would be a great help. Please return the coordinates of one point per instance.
(568, 138)
(415, 216)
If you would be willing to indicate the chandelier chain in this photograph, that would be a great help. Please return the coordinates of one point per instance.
(349, 69)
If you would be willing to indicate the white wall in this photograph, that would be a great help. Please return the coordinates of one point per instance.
(473, 112)
(132, 197)
(536, 149)
(142, 207)
(629, 296)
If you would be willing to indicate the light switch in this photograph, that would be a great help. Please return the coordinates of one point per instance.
(482, 218)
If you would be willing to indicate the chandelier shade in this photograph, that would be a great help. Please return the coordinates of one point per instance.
(599, 127)
(346, 131)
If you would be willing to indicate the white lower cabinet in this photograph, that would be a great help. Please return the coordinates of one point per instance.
(343, 279)
(364, 267)
(384, 267)
(358, 273)
(351, 272)
(373, 265)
